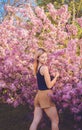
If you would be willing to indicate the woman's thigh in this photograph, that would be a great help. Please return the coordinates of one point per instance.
(37, 113)
(52, 113)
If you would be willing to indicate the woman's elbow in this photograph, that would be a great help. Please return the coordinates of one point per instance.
(49, 86)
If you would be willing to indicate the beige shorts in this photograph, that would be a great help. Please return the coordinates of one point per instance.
(43, 99)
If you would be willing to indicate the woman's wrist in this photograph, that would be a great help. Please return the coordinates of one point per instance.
(56, 77)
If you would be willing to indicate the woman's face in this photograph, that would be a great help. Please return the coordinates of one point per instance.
(43, 58)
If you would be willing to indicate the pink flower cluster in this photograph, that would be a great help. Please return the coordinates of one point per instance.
(72, 29)
(79, 20)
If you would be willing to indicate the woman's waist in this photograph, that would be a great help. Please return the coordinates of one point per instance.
(48, 91)
(44, 89)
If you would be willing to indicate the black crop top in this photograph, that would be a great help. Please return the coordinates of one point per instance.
(41, 81)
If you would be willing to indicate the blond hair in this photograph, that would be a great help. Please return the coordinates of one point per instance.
(39, 52)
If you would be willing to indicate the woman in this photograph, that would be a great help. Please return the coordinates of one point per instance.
(42, 100)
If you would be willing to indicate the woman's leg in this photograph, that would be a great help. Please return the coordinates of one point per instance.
(37, 118)
(53, 115)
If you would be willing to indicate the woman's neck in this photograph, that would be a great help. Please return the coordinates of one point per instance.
(39, 65)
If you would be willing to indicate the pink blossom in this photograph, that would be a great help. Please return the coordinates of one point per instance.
(52, 11)
(79, 20)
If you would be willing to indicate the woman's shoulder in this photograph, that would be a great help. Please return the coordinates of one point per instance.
(44, 68)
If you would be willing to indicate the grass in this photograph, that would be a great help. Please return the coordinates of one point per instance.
(13, 118)
(19, 119)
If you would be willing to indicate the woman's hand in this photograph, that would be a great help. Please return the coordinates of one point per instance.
(57, 74)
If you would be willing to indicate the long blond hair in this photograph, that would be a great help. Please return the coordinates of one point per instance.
(39, 52)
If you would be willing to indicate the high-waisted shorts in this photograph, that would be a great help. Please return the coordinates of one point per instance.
(43, 99)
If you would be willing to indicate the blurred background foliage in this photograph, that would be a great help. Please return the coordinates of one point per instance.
(16, 3)
(72, 4)
(75, 6)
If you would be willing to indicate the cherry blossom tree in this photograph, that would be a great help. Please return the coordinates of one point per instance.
(19, 39)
